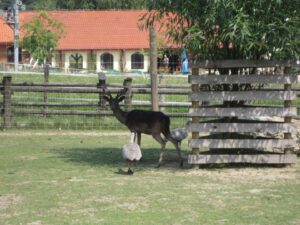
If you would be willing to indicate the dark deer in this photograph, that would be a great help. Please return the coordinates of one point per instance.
(142, 121)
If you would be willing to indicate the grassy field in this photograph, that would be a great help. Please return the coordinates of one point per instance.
(61, 177)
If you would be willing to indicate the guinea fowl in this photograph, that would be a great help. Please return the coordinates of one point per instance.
(179, 134)
(131, 152)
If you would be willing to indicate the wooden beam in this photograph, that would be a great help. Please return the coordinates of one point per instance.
(243, 112)
(288, 104)
(153, 68)
(242, 95)
(242, 127)
(242, 143)
(63, 112)
(7, 100)
(210, 64)
(253, 159)
(195, 105)
(79, 112)
(244, 79)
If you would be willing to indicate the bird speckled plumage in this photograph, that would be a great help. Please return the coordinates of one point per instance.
(179, 134)
(131, 152)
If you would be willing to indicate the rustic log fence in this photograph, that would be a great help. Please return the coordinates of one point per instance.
(10, 107)
(234, 137)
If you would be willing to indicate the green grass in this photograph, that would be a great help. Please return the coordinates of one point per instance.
(73, 178)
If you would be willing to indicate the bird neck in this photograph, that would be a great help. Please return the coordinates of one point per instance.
(132, 136)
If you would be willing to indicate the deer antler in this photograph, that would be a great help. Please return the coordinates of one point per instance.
(107, 93)
(121, 92)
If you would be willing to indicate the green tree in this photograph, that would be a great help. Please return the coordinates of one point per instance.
(41, 36)
(231, 29)
(4, 4)
(42, 5)
(86, 4)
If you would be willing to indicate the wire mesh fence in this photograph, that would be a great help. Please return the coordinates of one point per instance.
(72, 103)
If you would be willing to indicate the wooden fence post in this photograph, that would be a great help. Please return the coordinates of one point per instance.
(195, 106)
(127, 84)
(161, 96)
(153, 68)
(7, 106)
(288, 104)
(46, 81)
(102, 86)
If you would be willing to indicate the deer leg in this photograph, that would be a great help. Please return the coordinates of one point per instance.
(159, 139)
(139, 138)
(177, 146)
(132, 137)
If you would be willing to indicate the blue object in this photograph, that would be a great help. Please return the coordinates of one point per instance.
(185, 62)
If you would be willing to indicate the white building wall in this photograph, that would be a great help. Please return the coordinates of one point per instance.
(116, 55)
(53, 62)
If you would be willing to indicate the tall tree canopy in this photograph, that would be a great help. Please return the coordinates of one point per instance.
(4, 4)
(78, 4)
(101, 4)
(232, 29)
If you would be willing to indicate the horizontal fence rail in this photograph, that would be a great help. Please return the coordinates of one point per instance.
(243, 112)
(243, 95)
(209, 64)
(244, 79)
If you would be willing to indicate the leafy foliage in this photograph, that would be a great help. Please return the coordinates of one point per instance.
(232, 29)
(77, 4)
(41, 37)
(100, 4)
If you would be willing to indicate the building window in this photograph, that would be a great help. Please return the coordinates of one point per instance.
(137, 61)
(76, 61)
(107, 61)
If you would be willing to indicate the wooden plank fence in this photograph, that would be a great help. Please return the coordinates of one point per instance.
(240, 124)
(10, 107)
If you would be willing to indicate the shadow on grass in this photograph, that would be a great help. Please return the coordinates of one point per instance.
(101, 157)
(113, 157)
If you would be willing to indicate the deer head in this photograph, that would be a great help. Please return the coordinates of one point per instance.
(114, 101)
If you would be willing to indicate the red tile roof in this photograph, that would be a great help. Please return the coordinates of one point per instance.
(6, 33)
(86, 30)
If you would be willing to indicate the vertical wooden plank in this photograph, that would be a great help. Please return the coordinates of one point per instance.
(288, 104)
(46, 81)
(7, 107)
(101, 85)
(195, 105)
(153, 68)
(127, 84)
